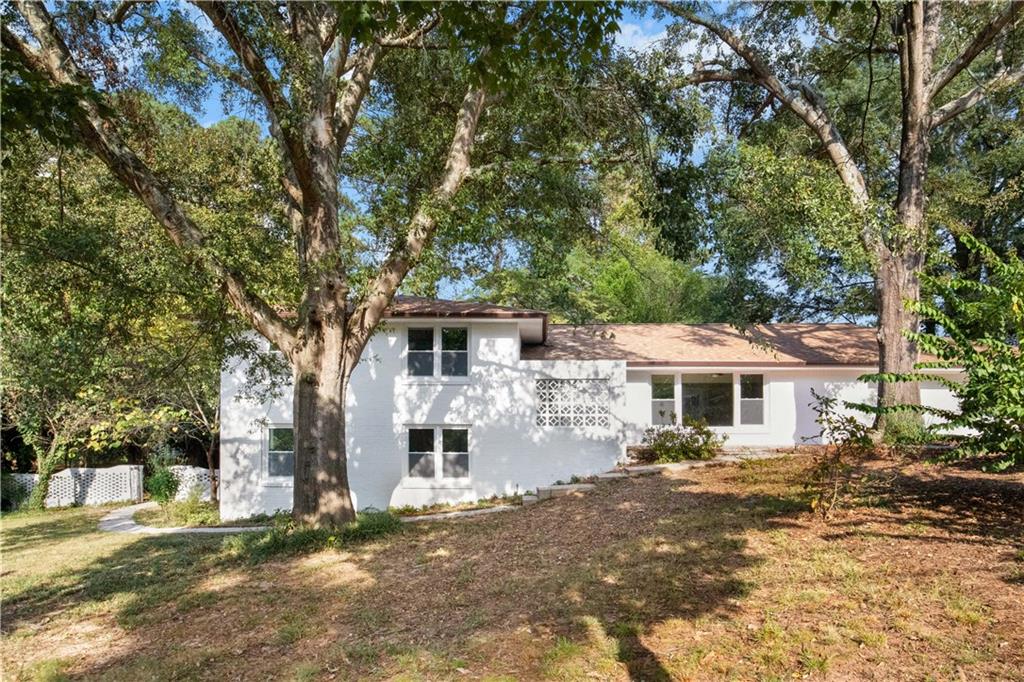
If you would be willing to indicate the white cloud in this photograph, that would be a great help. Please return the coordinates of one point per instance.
(639, 37)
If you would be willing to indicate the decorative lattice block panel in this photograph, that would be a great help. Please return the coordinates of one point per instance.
(192, 478)
(573, 403)
(82, 486)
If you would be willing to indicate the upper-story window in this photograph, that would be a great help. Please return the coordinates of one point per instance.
(442, 351)
(454, 351)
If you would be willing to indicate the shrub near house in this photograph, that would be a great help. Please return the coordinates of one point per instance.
(693, 439)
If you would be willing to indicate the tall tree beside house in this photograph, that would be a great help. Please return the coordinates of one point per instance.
(789, 62)
(311, 70)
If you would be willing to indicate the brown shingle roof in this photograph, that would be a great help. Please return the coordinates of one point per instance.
(710, 344)
(420, 306)
(417, 306)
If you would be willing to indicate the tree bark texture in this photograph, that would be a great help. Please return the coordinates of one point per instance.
(311, 125)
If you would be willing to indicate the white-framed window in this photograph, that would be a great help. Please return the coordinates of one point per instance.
(751, 399)
(437, 351)
(438, 453)
(420, 356)
(708, 397)
(573, 402)
(663, 399)
(722, 399)
(280, 462)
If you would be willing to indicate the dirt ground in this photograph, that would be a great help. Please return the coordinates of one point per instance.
(717, 573)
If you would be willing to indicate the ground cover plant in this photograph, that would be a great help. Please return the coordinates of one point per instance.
(190, 512)
(442, 507)
(720, 572)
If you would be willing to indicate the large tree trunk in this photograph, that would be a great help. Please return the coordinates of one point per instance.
(321, 492)
(897, 283)
(902, 259)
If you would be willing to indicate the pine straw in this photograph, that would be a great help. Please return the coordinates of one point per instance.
(705, 574)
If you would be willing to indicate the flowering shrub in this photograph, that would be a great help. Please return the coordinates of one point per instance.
(693, 439)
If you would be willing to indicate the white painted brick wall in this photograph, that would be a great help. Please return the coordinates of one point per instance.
(509, 453)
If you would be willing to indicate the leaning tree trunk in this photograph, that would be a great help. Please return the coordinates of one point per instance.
(321, 492)
(45, 467)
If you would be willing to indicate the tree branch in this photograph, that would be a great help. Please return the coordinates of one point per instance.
(414, 38)
(724, 75)
(800, 101)
(950, 110)
(120, 13)
(370, 310)
(540, 162)
(99, 132)
(981, 41)
(352, 98)
(268, 87)
(223, 71)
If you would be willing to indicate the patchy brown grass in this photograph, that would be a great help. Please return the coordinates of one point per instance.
(707, 574)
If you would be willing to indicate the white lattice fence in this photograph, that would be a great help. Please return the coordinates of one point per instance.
(190, 478)
(89, 486)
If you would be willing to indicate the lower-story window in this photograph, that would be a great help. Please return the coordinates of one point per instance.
(421, 453)
(708, 397)
(663, 399)
(280, 452)
(751, 399)
(438, 452)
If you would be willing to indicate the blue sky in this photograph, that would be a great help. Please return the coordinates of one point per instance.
(637, 30)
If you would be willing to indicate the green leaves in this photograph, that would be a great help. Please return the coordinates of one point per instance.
(983, 323)
(109, 337)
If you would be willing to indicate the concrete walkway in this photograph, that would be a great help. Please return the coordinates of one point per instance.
(121, 521)
(725, 458)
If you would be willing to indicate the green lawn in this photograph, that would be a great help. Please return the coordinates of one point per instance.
(707, 574)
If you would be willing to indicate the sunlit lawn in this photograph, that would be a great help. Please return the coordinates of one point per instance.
(714, 573)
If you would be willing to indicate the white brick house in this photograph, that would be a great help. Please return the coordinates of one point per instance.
(456, 401)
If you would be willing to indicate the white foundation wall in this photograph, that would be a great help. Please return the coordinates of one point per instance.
(509, 453)
(789, 418)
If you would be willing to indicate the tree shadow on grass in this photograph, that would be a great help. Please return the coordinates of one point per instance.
(142, 574)
(609, 568)
(687, 558)
(968, 508)
(602, 571)
(46, 527)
